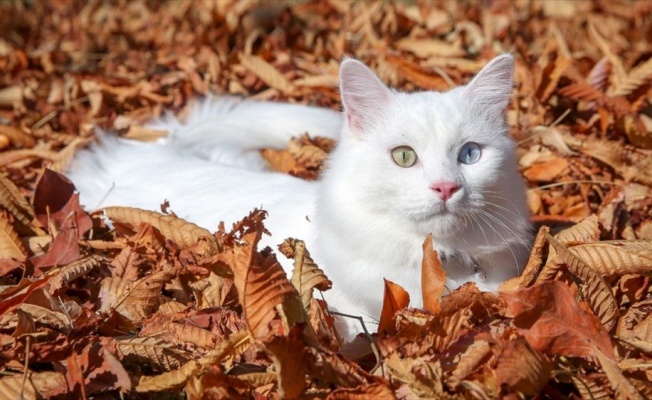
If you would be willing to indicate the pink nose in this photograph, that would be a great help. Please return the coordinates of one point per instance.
(444, 189)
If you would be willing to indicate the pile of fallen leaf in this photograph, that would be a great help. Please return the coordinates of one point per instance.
(150, 305)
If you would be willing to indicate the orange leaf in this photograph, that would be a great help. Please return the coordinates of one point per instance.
(552, 322)
(395, 298)
(433, 277)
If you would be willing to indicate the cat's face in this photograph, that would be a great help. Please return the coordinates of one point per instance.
(437, 160)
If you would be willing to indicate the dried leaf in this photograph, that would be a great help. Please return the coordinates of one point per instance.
(597, 291)
(10, 244)
(135, 300)
(14, 201)
(521, 368)
(619, 383)
(176, 378)
(395, 298)
(183, 233)
(552, 322)
(429, 47)
(36, 385)
(423, 378)
(617, 257)
(433, 277)
(289, 359)
(363, 392)
(160, 355)
(266, 72)
(306, 276)
(73, 271)
(546, 171)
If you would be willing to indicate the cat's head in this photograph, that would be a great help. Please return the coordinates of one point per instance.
(437, 160)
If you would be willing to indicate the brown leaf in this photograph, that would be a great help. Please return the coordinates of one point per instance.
(617, 257)
(14, 201)
(363, 392)
(597, 291)
(306, 275)
(55, 198)
(12, 297)
(552, 322)
(289, 359)
(158, 354)
(429, 47)
(95, 370)
(395, 298)
(134, 300)
(433, 277)
(546, 171)
(10, 244)
(423, 378)
(266, 72)
(45, 384)
(521, 368)
(619, 383)
(261, 283)
(183, 233)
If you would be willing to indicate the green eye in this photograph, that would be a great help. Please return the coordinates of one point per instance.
(404, 156)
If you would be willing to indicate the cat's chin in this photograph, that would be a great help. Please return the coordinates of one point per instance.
(442, 224)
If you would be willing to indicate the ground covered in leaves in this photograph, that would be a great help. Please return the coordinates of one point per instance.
(159, 308)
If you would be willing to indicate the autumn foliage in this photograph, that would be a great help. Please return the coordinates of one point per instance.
(142, 304)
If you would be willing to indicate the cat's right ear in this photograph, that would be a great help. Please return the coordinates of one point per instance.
(364, 96)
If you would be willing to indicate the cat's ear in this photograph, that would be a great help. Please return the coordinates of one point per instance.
(491, 88)
(364, 96)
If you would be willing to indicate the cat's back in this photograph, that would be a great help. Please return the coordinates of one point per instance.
(120, 172)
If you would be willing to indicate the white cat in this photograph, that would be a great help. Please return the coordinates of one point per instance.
(406, 165)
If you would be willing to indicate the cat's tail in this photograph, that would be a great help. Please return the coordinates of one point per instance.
(230, 130)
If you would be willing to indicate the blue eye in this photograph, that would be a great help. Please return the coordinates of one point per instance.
(470, 153)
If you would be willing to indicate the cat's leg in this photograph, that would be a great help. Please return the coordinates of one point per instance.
(231, 131)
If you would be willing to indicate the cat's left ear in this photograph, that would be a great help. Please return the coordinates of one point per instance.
(364, 97)
(491, 88)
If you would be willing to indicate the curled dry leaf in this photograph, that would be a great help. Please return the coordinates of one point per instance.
(10, 244)
(134, 300)
(593, 387)
(551, 321)
(596, 290)
(183, 233)
(433, 277)
(332, 369)
(468, 361)
(174, 379)
(586, 231)
(13, 296)
(14, 201)
(289, 358)
(395, 298)
(266, 72)
(363, 392)
(422, 378)
(35, 385)
(623, 388)
(73, 271)
(160, 355)
(534, 262)
(306, 275)
(617, 257)
(521, 368)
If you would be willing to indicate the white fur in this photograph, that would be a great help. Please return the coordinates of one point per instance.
(367, 218)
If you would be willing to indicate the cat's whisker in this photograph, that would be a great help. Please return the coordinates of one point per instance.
(498, 206)
(495, 218)
(503, 239)
(497, 195)
(473, 218)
